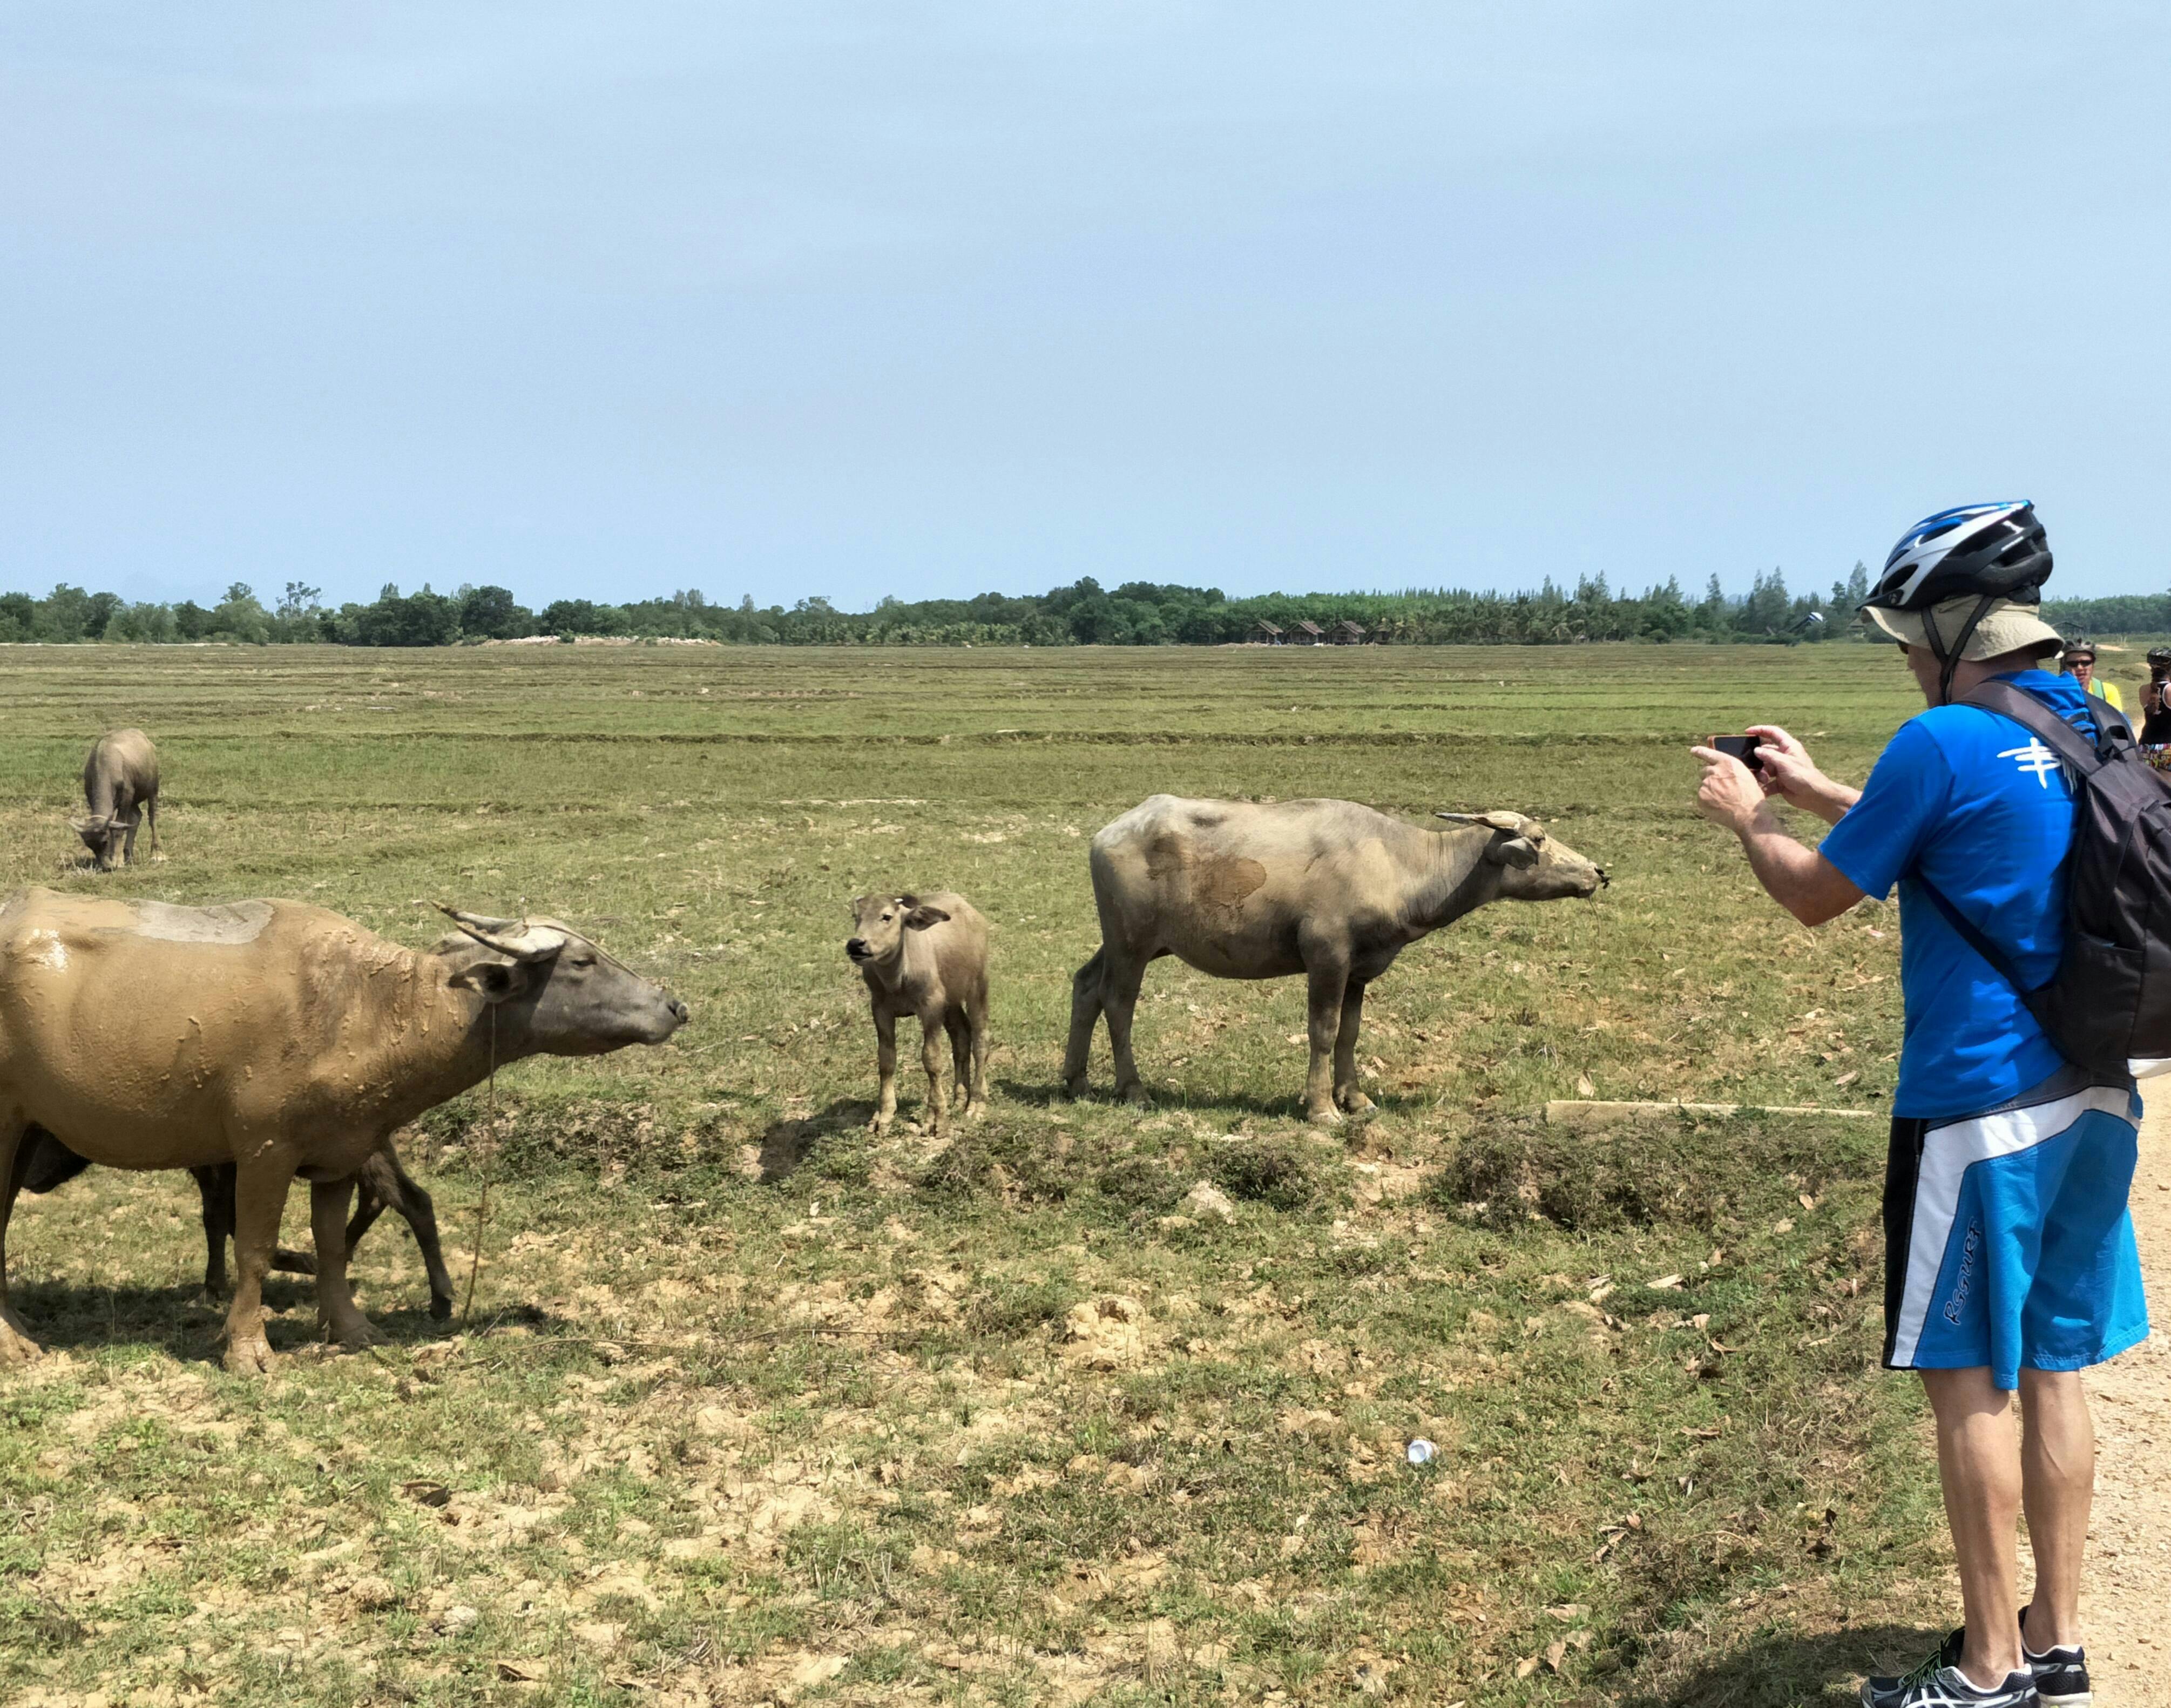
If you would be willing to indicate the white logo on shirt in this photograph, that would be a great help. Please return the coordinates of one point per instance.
(2035, 757)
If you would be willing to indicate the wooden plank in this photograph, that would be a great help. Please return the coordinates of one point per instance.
(1584, 1112)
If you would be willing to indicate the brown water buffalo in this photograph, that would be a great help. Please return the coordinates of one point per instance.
(927, 957)
(278, 1038)
(1327, 888)
(120, 789)
(383, 1184)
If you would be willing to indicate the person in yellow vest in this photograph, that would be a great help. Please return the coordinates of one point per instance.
(2078, 661)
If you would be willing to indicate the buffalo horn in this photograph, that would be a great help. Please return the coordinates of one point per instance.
(480, 922)
(529, 943)
(1498, 821)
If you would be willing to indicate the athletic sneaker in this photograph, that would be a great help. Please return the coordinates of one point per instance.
(2062, 1676)
(1938, 1682)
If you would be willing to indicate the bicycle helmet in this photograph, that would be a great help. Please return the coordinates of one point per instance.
(1994, 554)
(1991, 550)
(2159, 657)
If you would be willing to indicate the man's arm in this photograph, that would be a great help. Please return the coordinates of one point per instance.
(1800, 879)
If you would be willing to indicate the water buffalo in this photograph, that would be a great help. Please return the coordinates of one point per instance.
(383, 1184)
(925, 956)
(279, 1037)
(1327, 888)
(121, 788)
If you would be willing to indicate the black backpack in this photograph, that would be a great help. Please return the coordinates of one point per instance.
(2109, 1001)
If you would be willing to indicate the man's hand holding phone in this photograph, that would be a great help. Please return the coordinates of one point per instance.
(1786, 770)
(1730, 793)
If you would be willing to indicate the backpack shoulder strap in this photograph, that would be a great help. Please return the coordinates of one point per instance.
(2068, 743)
(2000, 962)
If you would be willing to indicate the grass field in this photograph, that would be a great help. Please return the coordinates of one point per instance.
(755, 1406)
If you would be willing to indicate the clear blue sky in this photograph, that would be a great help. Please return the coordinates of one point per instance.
(861, 298)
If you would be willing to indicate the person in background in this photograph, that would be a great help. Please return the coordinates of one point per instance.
(2079, 663)
(2156, 700)
(2010, 1262)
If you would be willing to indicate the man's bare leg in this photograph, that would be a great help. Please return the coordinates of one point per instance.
(1979, 1464)
(2058, 1485)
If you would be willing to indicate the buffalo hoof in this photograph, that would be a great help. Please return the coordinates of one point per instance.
(251, 1355)
(16, 1347)
(1134, 1095)
(880, 1124)
(357, 1334)
(976, 1111)
(1075, 1088)
(1355, 1102)
(441, 1308)
(1327, 1115)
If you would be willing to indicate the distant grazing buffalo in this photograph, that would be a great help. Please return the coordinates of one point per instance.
(120, 789)
(278, 1038)
(1327, 888)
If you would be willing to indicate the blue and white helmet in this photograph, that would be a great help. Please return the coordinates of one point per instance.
(1985, 550)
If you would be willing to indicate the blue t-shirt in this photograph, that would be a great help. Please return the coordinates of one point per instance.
(1977, 805)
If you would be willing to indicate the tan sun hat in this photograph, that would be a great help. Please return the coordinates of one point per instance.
(2005, 627)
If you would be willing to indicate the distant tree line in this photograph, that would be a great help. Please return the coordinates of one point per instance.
(1137, 614)
(2122, 614)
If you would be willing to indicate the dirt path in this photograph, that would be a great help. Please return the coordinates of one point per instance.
(2128, 1612)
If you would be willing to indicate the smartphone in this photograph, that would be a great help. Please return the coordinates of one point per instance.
(1741, 747)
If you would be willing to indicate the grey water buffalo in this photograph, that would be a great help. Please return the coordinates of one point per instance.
(382, 1185)
(927, 957)
(278, 1038)
(120, 792)
(1327, 888)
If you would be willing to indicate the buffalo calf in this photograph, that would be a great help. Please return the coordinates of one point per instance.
(382, 1185)
(926, 956)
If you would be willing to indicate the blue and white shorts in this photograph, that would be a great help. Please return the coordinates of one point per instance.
(2007, 1240)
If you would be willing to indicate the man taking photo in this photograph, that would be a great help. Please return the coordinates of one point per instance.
(2156, 700)
(2009, 1257)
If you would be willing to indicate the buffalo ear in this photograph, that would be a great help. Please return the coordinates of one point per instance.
(923, 916)
(494, 981)
(1512, 851)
